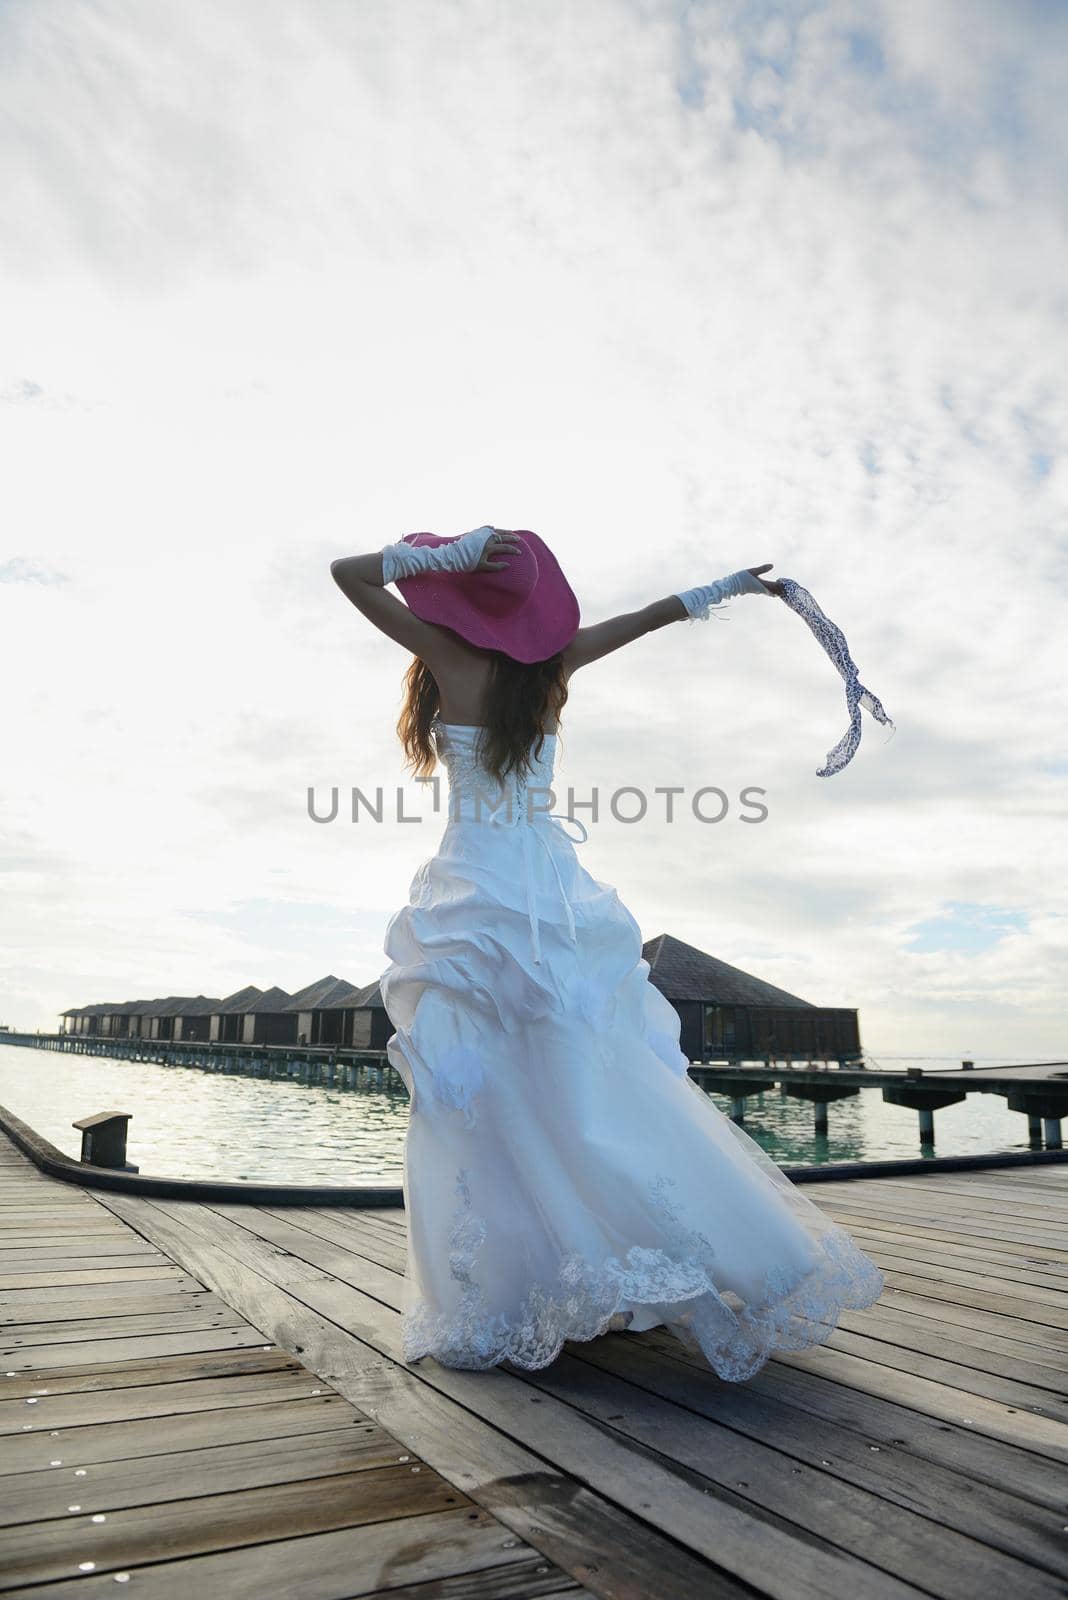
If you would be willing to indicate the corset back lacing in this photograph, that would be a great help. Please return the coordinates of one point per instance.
(491, 799)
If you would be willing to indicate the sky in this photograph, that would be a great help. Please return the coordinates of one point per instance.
(682, 287)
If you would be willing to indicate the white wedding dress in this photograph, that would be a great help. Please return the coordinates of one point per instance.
(560, 1166)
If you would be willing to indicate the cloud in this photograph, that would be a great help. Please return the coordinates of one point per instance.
(21, 570)
(683, 289)
(971, 929)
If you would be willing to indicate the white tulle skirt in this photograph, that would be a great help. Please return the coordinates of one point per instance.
(560, 1166)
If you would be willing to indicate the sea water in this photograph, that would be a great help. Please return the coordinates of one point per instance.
(188, 1123)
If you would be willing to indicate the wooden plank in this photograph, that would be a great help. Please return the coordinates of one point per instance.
(185, 1474)
(1025, 1430)
(41, 1552)
(897, 1469)
(22, 1189)
(20, 1181)
(1026, 1240)
(375, 1284)
(35, 1262)
(1031, 1363)
(971, 1380)
(632, 1460)
(1052, 1177)
(944, 1332)
(171, 1369)
(190, 1319)
(126, 1403)
(356, 1563)
(951, 1225)
(932, 1211)
(58, 1312)
(899, 1539)
(1020, 1396)
(981, 1186)
(62, 1209)
(1041, 1200)
(274, 1489)
(53, 1279)
(41, 1357)
(196, 1430)
(336, 1230)
(1033, 1300)
(43, 1216)
(91, 1247)
(1022, 1311)
(942, 1237)
(884, 1424)
(175, 1281)
(335, 1319)
(77, 1235)
(1032, 1427)
(520, 1582)
(1018, 1269)
(1043, 1338)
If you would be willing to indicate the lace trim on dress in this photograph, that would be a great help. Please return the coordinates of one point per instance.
(735, 1339)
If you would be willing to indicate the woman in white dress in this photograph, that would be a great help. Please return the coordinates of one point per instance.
(563, 1174)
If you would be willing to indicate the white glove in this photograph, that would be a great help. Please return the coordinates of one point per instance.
(697, 601)
(402, 560)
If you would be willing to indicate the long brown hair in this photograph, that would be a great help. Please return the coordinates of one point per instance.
(521, 697)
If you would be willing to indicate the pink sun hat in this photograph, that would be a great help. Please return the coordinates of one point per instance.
(526, 609)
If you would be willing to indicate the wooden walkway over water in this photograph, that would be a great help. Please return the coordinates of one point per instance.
(210, 1397)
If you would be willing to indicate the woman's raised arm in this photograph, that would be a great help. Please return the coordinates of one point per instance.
(363, 579)
(590, 644)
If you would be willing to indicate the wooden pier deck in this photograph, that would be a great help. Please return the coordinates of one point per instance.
(223, 1385)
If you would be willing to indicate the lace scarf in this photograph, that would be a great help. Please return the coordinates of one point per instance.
(833, 641)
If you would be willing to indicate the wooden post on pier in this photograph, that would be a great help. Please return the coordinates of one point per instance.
(104, 1140)
(821, 1095)
(924, 1100)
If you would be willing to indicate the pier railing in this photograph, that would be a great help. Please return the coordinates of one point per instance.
(324, 1065)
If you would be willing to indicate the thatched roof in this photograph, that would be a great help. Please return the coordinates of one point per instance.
(170, 1007)
(370, 998)
(328, 994)
(240, 1000)
(682, 972)
(199, 1006)
(272, 1000)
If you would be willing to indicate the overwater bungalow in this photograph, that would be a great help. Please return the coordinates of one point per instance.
(124, 1022)
(726, 1014)
(226, 1022)
(371, 1026)
(192, 1021)
(71, 1020)
(102, 1019)
(268, 1019)
(137, 1013)
(730, 1015)
(158, 1018)
(325, 1011)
